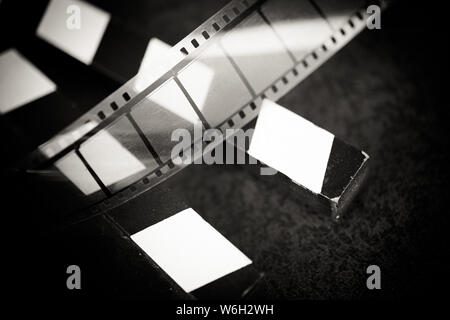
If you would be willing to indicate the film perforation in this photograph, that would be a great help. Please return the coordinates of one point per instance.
(114, 106)
(249, 110)
(216, 26)
(350, 22)
(205, 35)
(126, 96)
(294, 71)
(184, 51)
(93, 115)
(195, 43)
(101, 115)
(359, 15)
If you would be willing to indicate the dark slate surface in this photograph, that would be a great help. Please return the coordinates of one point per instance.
(384, 93)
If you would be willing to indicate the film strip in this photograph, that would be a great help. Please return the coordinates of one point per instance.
(133, 125)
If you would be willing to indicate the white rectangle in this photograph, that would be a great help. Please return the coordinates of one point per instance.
(190, 250)
(292, 145)
(20, 81)
(75, 27)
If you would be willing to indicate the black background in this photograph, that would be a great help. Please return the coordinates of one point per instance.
(385, 92)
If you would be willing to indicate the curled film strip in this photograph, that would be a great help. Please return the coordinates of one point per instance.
(216, 77)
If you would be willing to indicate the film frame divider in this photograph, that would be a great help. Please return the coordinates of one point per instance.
(235, 12)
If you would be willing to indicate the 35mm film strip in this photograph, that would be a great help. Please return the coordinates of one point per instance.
(216, 77)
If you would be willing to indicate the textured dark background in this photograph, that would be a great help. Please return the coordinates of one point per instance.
(385, 92)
